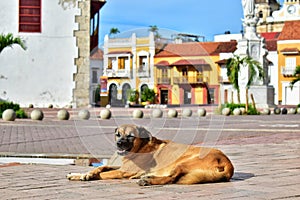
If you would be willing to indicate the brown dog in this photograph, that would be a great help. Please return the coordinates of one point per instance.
(158, 162)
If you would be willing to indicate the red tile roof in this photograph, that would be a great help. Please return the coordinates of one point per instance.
(290, 31)
(226, 47)
(271, 45)
(162, 63)
(96, 54)
(270, 35)
(186, 62)
(188, 49)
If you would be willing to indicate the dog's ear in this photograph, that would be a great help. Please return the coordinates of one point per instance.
(144, 133)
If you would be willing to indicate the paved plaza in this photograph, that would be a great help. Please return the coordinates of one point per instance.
(265, 151)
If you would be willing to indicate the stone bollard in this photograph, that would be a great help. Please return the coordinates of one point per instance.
(237, 111)
(137, 114)
(157, 113)
(201, 112)
(284, 111)
(9, 115)
(84, 114)
(266, 111)
(63, 114)
(226, 111)
(277, 111)
(172, 113)
(187, 112)
(292, 111)
(105, 114)
(37, 114)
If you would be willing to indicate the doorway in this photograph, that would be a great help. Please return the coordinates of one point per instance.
(164, 94)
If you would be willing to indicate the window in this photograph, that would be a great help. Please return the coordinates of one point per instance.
(94, 76)
(30, 15)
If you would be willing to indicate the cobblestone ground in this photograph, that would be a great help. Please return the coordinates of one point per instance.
(265, 151)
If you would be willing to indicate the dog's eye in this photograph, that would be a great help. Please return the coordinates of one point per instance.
(118, 134)
(131, 135)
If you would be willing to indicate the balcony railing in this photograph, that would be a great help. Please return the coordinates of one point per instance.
(163, 80)
(287, 71)
(122, 73)
(143, 71)
(189, 79)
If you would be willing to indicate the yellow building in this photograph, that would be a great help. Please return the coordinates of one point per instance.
(128, 65)
(187, 73)
(288, 45)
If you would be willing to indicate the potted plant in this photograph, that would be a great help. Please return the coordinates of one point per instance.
(133, 97)
(148, 95)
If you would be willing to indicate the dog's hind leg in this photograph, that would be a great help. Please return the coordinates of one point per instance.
(175, 175)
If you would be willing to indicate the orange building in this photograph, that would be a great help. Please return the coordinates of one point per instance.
(288, 58)
(187, 73)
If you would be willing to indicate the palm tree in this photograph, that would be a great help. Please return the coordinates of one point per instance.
(296, 75)
(233, 66)
(254, 68)
(9, 40)
(114, 31)
(154, 29)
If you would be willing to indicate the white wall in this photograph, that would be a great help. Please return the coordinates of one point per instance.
(43, 74)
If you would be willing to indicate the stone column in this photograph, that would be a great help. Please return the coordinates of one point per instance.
(82, 75)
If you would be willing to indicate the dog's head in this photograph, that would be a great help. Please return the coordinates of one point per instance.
(130, 138)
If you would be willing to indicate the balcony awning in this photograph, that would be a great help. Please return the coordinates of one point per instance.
(222, 62)
(186, 62)
(119, 52)
(290, 51)
(162, 63)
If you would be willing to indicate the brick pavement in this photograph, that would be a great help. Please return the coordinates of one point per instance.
(265, 151)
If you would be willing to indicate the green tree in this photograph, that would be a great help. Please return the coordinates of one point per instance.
(234, 65)
(154, 29)
(8, 40)
(113, 31)
(297, 77)
(233, 68)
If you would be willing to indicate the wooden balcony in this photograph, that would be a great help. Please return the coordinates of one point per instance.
(189, 80)
(163, 80)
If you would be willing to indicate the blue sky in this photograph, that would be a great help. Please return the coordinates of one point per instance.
(202, 17)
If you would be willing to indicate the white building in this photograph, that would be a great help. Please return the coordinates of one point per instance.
(55, 68)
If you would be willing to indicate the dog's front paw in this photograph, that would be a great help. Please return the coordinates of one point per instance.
(79, 177)
(74, 176)
(144, 181)
(87, 177)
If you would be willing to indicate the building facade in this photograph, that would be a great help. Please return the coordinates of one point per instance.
(272, 15)
(128, 65)
(55, 68)
(288, 59)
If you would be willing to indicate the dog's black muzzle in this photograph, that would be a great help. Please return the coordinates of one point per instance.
(124, 145)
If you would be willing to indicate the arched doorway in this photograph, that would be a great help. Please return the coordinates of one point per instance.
(113, 94)
(125, 92)
(143, 87)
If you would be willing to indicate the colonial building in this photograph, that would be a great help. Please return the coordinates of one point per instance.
(187, 73)
(288, 59)
(128, 65)
(55, 68)
(272, 16)
(96, 71)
